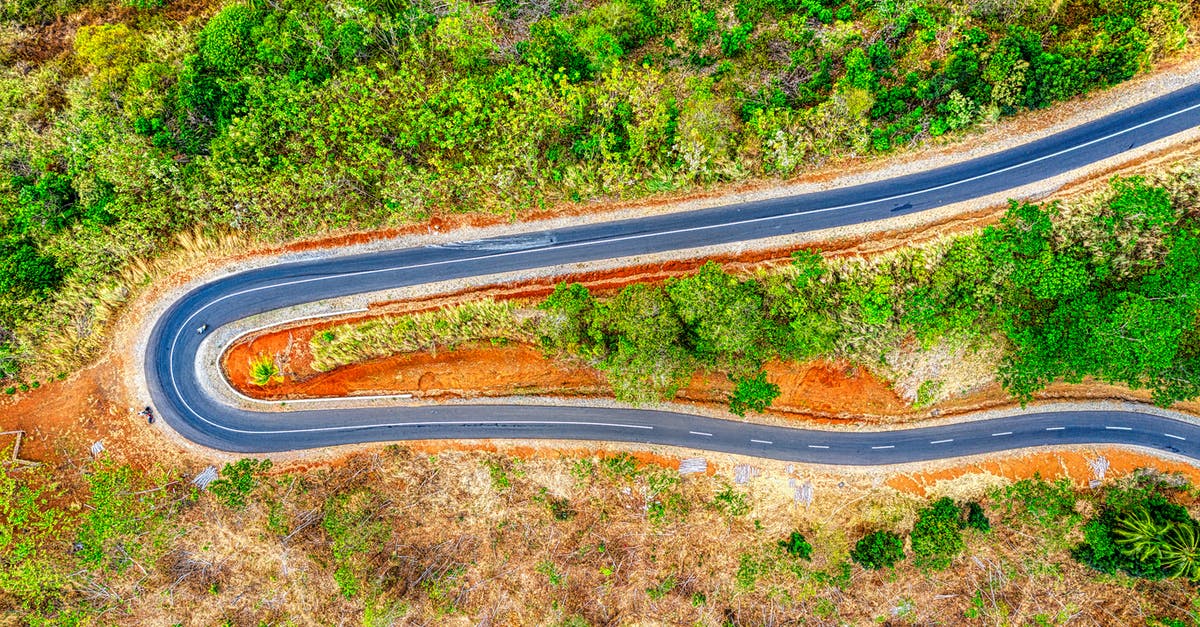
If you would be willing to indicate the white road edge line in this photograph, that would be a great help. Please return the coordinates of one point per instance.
(1119, 428)
(762, 441)
(942, 441)
(1002, 433)
(187, 322)
(707, 435)
(1177, 437)
(1055, 428)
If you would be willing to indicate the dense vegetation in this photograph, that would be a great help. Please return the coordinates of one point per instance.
(281, 118)
(1108, 288)
(400, 536)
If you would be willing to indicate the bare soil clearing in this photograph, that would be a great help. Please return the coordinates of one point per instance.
(1075, 465)
(62, 419)
(814, 389)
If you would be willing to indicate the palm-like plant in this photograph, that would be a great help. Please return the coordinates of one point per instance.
(264, 371)
(1181, 551)
(1140, 536)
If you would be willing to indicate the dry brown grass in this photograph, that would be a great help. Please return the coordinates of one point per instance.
(473, 537)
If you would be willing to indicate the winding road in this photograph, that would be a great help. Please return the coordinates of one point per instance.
(171, 364)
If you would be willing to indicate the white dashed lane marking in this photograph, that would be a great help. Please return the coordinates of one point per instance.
(707, 435)
(1119, 428)
(817, 446)
(1055, 428)
(942, 441)
(883, 447)
(1002, 433)
(762, 441)
(1177, 437)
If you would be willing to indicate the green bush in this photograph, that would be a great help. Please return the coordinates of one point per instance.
(796, 546)
(936, 536)
(878, 549)
(731, 502)
(1139, 531)
(976, 519)
(120, 516)
(238, 480)
(619, 466)
(753, 394)
(1050, 505)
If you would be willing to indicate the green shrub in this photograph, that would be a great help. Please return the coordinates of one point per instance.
(936, 536)
(619, 466)
(753, 394)
(796, 546)
(976, 519)
(1050, 505)
(352, 521)
(661, 590)
(120, 512)
(499, 475)
(32, 530)
(238, 480)
(878, 549)
(731, 502)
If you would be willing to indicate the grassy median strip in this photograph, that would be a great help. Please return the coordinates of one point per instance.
(442, 328)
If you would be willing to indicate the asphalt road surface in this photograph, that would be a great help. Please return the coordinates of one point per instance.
(170, 364)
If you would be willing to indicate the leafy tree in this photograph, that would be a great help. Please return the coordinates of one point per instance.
(723, 317)
(573, 309)
(646, 355)
(24, 271)
(226, 43)
(878, 550)
(803, 321)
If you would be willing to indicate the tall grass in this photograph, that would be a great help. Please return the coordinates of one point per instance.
(447, 327)
(71, 329)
